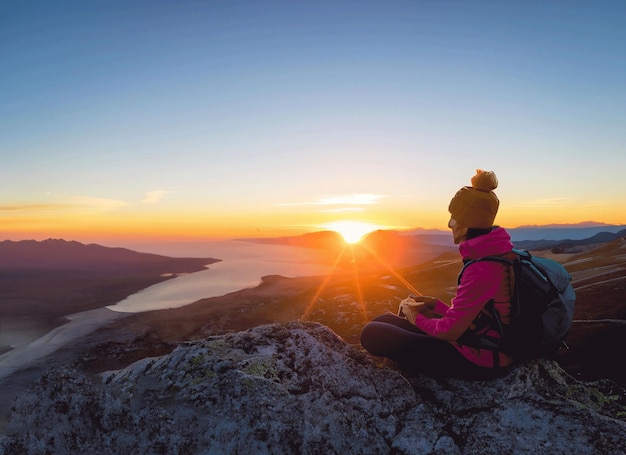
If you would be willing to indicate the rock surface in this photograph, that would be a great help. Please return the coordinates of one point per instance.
(298, 388)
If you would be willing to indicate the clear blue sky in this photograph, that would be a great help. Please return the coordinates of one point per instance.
(261, 116)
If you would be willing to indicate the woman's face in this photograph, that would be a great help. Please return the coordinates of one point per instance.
(458, 232)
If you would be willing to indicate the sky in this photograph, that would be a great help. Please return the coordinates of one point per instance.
(219, 119)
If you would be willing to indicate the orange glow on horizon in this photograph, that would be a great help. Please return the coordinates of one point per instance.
(351, 231)
(187, 224)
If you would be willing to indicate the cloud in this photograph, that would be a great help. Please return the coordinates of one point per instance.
(152, 197)
(61, 202)
(355, 199)
(73, 202)
(66, 203)
(32, 207)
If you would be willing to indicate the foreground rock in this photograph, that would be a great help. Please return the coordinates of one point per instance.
(298, 388)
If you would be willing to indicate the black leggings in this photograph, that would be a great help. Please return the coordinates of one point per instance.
(396, 338)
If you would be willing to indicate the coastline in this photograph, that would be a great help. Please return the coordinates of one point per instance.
(36, 302)
(77, 325)
(66, 305)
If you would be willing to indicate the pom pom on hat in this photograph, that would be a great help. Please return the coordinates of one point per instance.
(476, 206)
(484, 181)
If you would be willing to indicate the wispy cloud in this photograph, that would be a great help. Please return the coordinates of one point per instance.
(74, 202)
(152, 197)
(32, 207)
(61, 203)
(65, 202)
(355, 199)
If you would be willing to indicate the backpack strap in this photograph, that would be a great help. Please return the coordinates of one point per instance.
(508, 259)
(489, 318)
(511, 259)
(477, 335)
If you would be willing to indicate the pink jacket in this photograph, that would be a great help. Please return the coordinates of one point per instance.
(480, 283)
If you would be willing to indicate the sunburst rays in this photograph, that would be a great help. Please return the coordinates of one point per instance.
(357, 279)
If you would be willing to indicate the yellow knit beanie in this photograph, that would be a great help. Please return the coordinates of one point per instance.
(476, 206)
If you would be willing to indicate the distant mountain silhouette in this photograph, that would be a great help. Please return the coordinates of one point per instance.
(569, 244)
(57, 254)
(555, 237)
(582, 224)
(561, 232)
(577, 231)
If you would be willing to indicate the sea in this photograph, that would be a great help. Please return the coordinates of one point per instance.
(242, 265)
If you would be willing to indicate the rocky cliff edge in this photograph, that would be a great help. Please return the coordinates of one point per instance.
(297, 388)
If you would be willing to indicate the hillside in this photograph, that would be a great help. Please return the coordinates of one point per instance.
(42, 282)
(599, 278)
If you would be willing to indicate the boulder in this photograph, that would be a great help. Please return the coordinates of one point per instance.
(297, 388)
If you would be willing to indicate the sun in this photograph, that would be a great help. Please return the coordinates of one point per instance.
(351, 231)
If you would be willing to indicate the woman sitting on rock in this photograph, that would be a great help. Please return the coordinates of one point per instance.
(427, 335)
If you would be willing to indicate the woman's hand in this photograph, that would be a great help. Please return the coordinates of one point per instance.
(414, 305)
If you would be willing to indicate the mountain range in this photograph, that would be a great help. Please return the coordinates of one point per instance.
(551, 232)
(58, 254)
(405, 248)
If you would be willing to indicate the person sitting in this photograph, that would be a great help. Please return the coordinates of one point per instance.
(427, 335)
